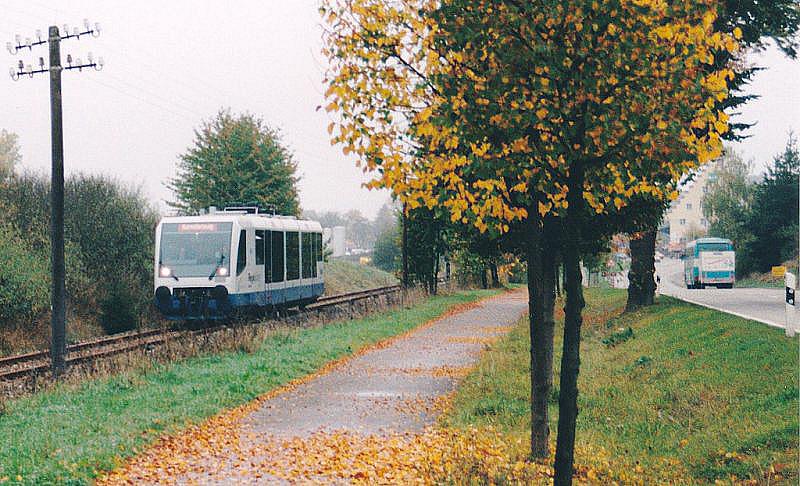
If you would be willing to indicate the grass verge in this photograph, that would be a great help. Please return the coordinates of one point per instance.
(71, 433)
(671, 393)
(342, 277)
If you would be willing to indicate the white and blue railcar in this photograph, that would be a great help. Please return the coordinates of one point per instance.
(210, 266)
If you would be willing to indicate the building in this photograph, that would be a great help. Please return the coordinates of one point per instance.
(334, 239)
(685, 218)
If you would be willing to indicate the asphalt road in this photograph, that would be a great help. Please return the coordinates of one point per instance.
(763, 305)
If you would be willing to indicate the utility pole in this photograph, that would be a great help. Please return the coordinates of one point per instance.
(405, 246)
(58, 343)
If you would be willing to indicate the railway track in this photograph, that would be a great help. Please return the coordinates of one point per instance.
(22, 365)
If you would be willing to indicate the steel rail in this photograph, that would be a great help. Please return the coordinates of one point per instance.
(35, 362)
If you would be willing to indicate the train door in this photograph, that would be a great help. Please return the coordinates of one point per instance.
(245, 254)
(293, 265)
(258, 269)
(277, 273)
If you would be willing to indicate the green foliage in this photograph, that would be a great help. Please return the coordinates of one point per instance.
(108, 227)
(109, 418)
(10, 154)
(236, 159)
(426, 244)
(24, 281)
(760, 218)
(727, 206)
(387, 253)
(774, 214)
(119, 309)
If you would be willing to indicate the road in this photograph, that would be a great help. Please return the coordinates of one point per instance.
(763, 305)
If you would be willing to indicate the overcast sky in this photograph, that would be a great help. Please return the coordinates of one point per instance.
(171, 64)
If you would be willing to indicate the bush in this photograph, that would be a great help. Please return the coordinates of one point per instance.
(24, 280)
(119, 308)
(109, 231)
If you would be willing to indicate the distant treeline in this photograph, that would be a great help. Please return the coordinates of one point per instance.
(109, 230)
(760, 217)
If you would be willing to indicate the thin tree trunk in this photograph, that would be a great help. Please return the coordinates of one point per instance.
(495, 275)
(541, 301)
(540, 430)
(484, 280)
(570, 358)
(641, 281)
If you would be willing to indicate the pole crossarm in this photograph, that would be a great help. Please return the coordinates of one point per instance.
(23, 69)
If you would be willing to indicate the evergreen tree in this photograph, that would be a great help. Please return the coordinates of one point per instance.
(774, 216)
(236, 160)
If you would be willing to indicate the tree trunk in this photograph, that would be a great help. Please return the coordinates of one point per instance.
(541, 301)
(495, 275)
(405, 247)
(641, 281)
(570, 358)
(484, 280)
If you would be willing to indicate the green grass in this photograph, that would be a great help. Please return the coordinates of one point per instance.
(715, 393)
(342, 277)
(68, 434)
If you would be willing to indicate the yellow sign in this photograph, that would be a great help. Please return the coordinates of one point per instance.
(778, 271)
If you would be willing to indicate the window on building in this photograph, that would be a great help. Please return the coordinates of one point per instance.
(241, 257)
(292, 255)
(704, 222)
(689, 206)
(277, 256)
(682, 222)
(705, 189)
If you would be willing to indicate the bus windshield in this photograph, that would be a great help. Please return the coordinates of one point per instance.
(195, 249)
(714, 247)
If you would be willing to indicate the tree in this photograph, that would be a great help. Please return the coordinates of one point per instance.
(753, 21)
(774, 215)
(727, 206)
(534, 116)
(10, 154)
(386, 254)
(236, 160)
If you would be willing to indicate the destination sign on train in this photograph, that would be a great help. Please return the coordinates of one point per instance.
(197, 227)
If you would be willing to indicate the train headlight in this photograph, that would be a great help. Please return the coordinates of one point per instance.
(165, 272)
(222, 271)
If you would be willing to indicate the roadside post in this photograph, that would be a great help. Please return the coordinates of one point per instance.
(791, 304)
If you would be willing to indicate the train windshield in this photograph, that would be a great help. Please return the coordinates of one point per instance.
(714, 247)
(195, 249)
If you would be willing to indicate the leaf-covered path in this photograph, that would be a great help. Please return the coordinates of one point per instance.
(362, 419)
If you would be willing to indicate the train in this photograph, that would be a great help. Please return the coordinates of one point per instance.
(709, 261)
(224, 262)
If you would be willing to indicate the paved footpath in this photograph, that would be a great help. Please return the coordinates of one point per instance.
(394, 388)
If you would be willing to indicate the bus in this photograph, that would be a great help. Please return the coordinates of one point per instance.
(709, 261)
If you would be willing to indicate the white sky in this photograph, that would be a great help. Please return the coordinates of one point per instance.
(171, 64)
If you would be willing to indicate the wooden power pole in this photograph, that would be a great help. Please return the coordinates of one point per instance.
(58, 317)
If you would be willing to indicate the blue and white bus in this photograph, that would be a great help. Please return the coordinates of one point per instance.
(709, 261)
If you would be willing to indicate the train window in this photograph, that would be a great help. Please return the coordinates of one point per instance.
(319, 246)
(260, 247)
(313, 238)
(292, 255)
(268, 256)
(308, 259)
(277, 256)
(241, 257)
